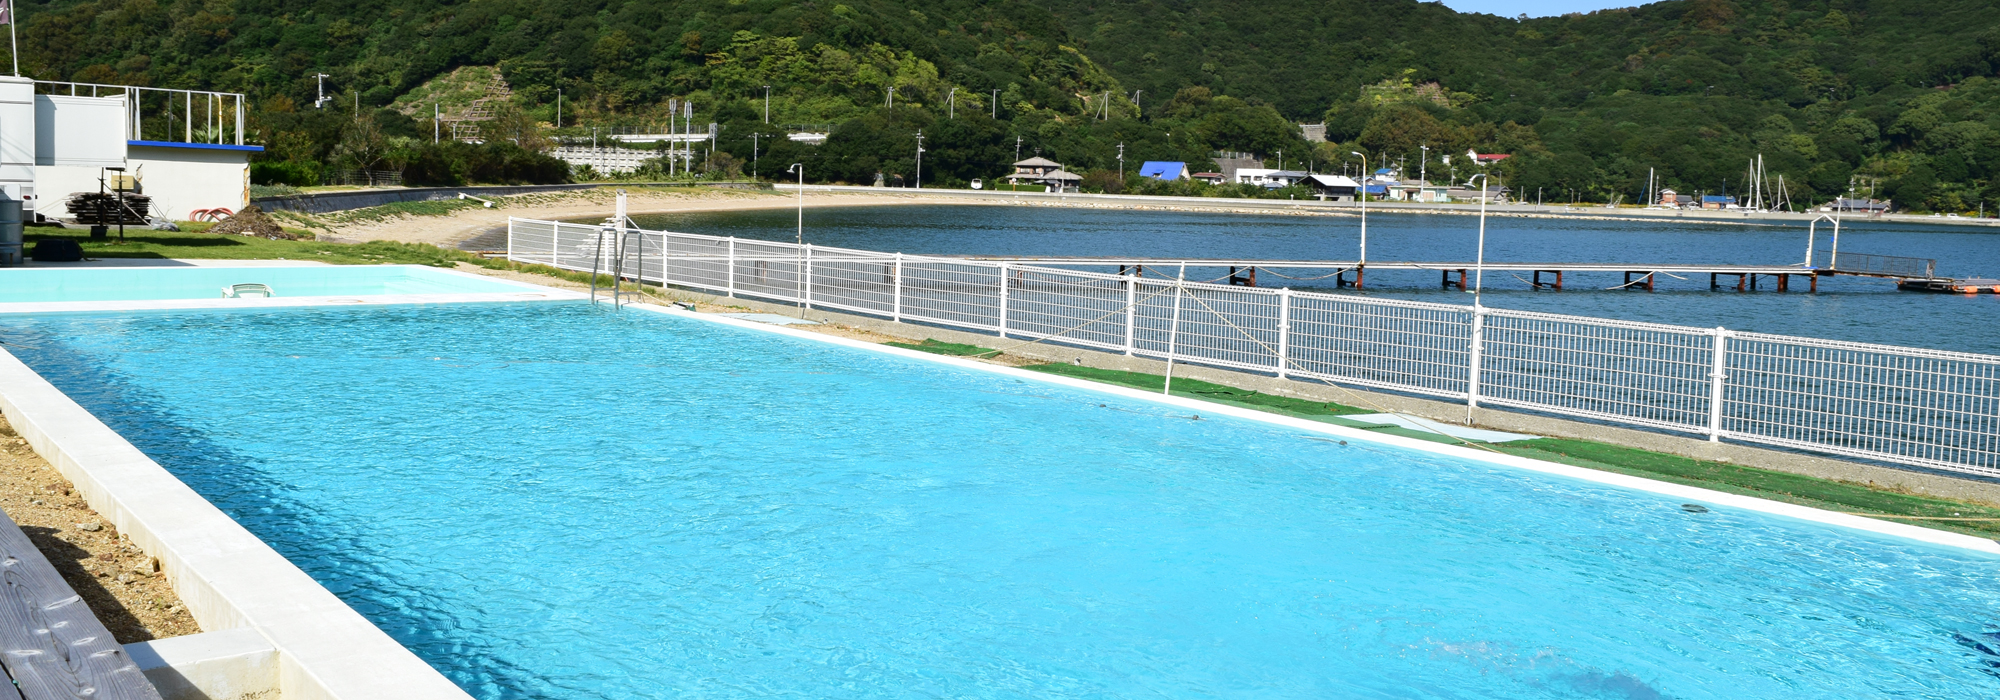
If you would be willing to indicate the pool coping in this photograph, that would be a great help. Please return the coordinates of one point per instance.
(1702, 496)
(529, 292)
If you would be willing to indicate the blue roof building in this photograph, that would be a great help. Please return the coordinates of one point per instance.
(1165, 170)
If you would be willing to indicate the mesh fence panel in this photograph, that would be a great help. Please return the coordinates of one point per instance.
(1081, 307)
(1408, 346)
(955, 293)
(1930, 408)
(1646, 374)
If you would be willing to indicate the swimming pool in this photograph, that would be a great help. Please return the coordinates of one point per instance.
(558, 500)
(147, 283)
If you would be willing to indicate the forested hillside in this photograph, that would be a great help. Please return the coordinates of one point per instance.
(1895, 96)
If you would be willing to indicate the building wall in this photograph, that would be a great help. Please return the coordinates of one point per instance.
(180, 180)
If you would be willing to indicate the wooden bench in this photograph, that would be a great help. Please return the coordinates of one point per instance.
(52, 647)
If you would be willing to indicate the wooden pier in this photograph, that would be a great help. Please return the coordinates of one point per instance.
(1537, 275)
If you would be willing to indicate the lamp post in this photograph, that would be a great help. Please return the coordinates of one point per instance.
(1479, 266)
(1424, 167)
(919, 179)
(799, 272)
(1364, 208)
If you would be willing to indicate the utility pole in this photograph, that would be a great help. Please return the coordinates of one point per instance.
(767, 104)
(1424, 168)
(558, 108)
(1281, 160)
(357, 105)
(1135, 102)
(951, 102)
(753, 154)
(892, 97)
(920, 159)
(434, 122)
(996, 111)
(1017, 149)
(319, 102)
(1121, 161)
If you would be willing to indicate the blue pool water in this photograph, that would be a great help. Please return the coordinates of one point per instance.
(561, 501)
(137, 283)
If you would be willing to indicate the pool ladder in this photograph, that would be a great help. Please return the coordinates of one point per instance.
(615, 226)
(248, 289)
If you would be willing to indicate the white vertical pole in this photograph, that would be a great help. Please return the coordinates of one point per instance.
(807, 287)
(187, 119)
(732, 268)
(1131, 310)
(239, 120)
(896, 293)
(1003, 300)
(1472, 374)
(1717, 377)
(1174, 329)
(1284, 330)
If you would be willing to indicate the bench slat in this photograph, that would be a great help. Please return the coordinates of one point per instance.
(50, 643)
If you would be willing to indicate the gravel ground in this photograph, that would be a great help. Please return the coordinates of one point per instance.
(119, 583)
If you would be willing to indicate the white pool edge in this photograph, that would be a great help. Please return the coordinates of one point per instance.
(529, 292)
(226, 576)
(1696, 494)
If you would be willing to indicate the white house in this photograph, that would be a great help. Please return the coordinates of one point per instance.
(60, 138)
(1268, 177)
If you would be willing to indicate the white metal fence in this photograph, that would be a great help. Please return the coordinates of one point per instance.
(1927, 408)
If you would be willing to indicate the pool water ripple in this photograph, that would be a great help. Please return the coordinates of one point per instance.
(559, 501)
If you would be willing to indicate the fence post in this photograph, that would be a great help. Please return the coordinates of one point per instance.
(1284, 329)
(806, 288)
(1131, 310)
(732, 268)
(1003, 300)
(1173, 331)
(510, 239)
(896, 292)
(1717, 376)
(1472, 369)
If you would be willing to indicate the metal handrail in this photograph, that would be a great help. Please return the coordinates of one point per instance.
(1890, 265)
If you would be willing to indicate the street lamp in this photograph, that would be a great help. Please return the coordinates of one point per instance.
(920, 160)
(1479, 266)
(799, 272)
(1364, 208)
(1424, 168)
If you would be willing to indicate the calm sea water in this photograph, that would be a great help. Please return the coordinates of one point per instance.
(1865, 310)
(562, 501)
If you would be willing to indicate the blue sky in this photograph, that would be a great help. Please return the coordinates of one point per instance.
(1537, 8)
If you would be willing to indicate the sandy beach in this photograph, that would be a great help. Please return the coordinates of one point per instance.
(459, 226)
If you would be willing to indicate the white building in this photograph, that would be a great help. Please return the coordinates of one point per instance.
(60, 138)
(606, 159)
(1268, 177)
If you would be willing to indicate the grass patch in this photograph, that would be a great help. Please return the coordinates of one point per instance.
(1207, 391)
(147, 243)
(1763, 483)
(943, 348)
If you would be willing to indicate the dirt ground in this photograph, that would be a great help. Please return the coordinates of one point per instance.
(120, 584)
(448, 231)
